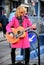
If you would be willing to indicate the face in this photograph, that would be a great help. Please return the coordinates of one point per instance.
(21, 13)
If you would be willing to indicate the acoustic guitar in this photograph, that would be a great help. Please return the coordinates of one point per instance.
(19, 33)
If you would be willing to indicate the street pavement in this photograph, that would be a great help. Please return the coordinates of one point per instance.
(5, 50)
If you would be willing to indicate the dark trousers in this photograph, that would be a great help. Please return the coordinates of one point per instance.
(27, 55)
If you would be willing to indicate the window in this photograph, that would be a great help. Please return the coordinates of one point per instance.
(26, 1)
(42, 9)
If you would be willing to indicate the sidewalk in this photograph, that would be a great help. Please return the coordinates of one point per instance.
(7, 59)
(2, 38)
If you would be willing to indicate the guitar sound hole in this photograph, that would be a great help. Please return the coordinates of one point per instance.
(18, 32)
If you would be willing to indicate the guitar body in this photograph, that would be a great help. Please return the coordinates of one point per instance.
(11, 39)
(14, 40)
(21, 29)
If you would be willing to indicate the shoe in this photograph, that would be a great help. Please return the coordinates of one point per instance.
(9, 64)
(12, 64)
(34, 64)
(19, 63)
(27, 64)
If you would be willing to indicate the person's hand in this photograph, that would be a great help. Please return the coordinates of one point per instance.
(11, 34)
(34, 26)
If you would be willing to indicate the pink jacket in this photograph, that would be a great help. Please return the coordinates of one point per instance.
(23, 43)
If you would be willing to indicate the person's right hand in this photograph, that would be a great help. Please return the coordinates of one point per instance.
(11, 34)
(34, 26)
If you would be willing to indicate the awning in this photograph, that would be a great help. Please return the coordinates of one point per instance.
(25, 5)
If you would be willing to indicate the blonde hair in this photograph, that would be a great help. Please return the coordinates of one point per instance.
(19, 10)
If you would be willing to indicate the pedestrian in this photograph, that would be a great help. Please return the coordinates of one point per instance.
(4, 21)
(20, 19)
(12, 14)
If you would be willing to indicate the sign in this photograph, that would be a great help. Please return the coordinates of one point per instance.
(32, 37)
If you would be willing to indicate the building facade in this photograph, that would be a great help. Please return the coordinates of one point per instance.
(34, 7)
(42, 8)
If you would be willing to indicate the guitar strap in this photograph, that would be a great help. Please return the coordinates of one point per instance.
(20, 19)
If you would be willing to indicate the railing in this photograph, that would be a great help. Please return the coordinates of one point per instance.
(38, 21)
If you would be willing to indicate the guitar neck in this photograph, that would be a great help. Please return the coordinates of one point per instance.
(17, 35)
(27, 28)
